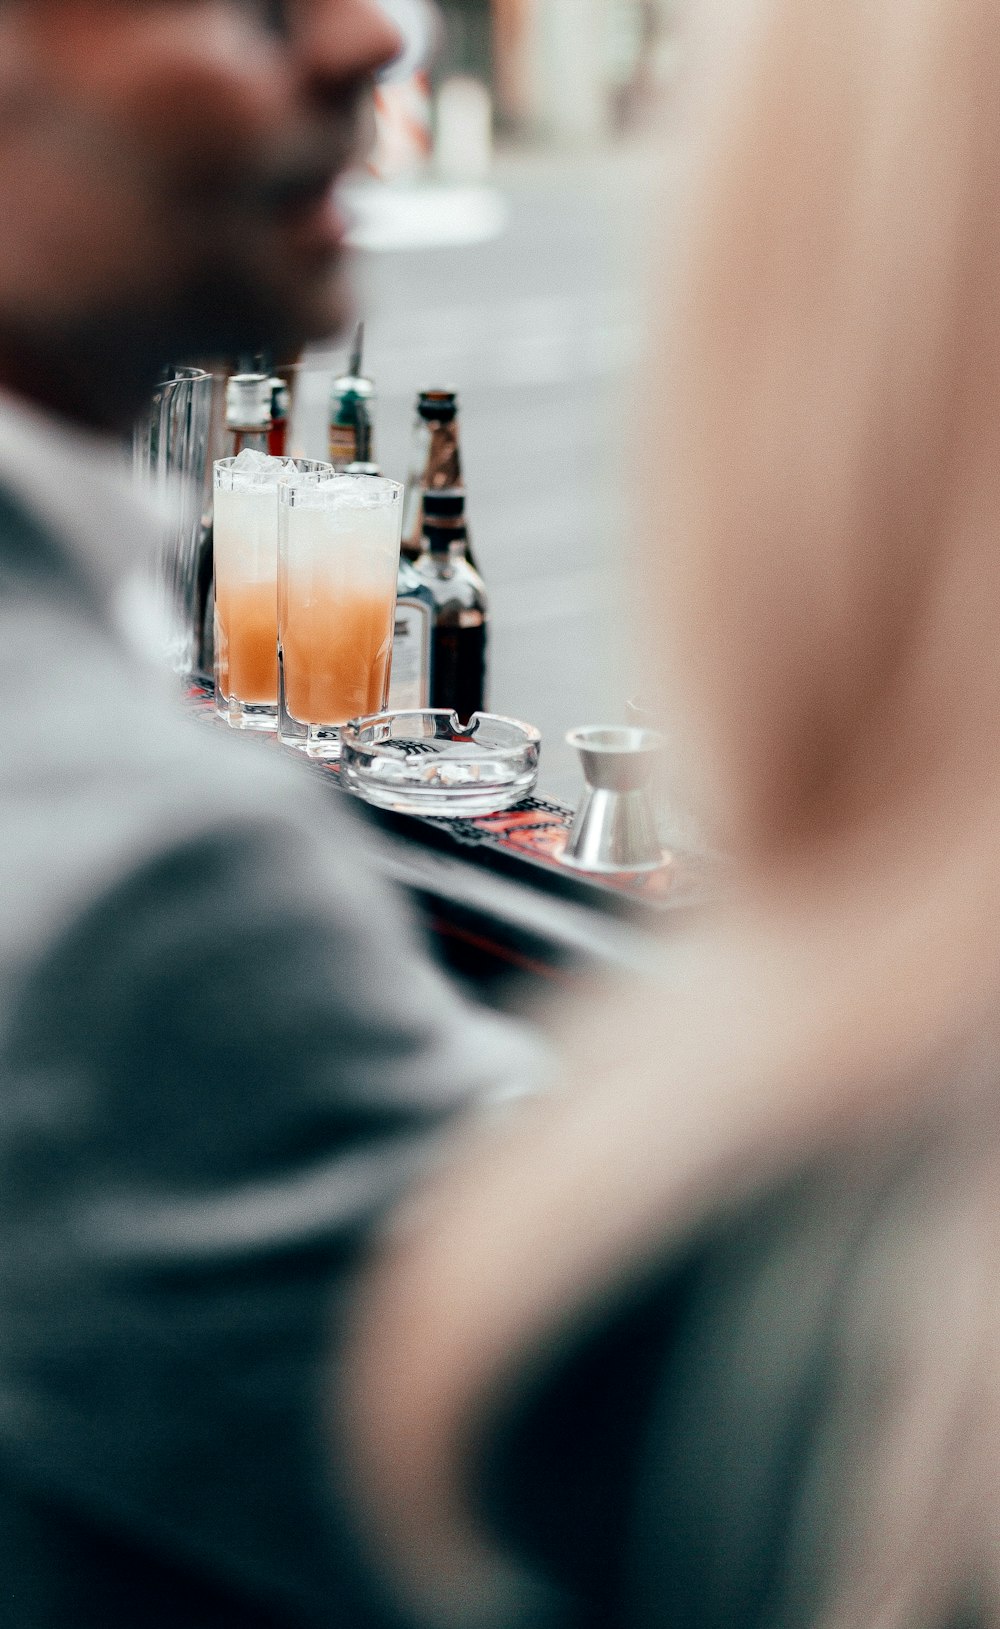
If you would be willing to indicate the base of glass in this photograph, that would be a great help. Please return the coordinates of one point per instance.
(315, 740)
(247, 715)
(444, 805)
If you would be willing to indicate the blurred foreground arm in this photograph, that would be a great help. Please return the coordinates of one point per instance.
(222, 1071)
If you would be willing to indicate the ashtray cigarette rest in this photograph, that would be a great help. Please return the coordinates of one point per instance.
(428, 762)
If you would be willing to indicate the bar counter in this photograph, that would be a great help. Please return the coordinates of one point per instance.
(503, 909)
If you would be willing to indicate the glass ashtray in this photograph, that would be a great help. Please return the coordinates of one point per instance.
(429, 763)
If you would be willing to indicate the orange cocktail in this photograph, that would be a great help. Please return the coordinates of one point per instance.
(336, 653)
(338, 561)
(246, 584)
(246, 640)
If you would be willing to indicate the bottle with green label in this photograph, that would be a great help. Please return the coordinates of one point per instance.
(352, 411)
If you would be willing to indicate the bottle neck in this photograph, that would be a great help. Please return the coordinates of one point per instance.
(444, 459)
(447, 542)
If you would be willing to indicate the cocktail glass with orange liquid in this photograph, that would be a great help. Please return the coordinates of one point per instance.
(245, 539)
(338, 559)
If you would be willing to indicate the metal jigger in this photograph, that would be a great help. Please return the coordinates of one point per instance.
(615, 825)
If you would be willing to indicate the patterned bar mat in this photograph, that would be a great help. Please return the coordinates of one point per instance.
(534, 834)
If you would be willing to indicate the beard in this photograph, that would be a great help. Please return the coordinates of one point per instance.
(99, 367)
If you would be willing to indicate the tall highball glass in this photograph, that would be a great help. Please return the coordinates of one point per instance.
(338, 558)
(246, 583)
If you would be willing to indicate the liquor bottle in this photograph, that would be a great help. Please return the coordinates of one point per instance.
(458, 641)
(262, 363)
(413, 629)
(277, 441)
(352, 411)
(435, 463)
(410, 674)
(248, 412)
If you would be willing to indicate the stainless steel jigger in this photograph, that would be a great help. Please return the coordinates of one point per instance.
(615, 826)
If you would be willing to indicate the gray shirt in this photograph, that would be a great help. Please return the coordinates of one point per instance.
(223, 1054)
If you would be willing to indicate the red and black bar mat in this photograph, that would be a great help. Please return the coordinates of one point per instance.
(528, 841)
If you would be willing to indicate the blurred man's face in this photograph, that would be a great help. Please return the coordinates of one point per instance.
(165, 179)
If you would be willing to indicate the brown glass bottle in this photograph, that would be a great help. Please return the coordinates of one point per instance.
(458, 641)
(435, 465)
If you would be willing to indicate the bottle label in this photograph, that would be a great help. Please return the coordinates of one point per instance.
(343, 444)
(409, 680)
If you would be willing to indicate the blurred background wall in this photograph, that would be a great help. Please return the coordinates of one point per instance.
(573, 70)
(500, 251)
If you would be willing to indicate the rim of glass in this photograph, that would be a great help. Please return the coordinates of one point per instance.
(304, 465)
(308, 471)
(623, 740)
(352, 734)
(380, 488)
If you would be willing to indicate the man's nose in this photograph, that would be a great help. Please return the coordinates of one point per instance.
(340, 41)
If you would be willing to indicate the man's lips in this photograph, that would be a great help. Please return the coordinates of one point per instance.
(296, 200)
(303, 202)
(293, 192)
(298, 189)
(316, 225)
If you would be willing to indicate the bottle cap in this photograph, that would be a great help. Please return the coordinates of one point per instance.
(439, 405)
(248, 401)
(351, 385)
(444, 506)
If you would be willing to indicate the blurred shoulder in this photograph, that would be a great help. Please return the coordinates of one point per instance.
(104, 768)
